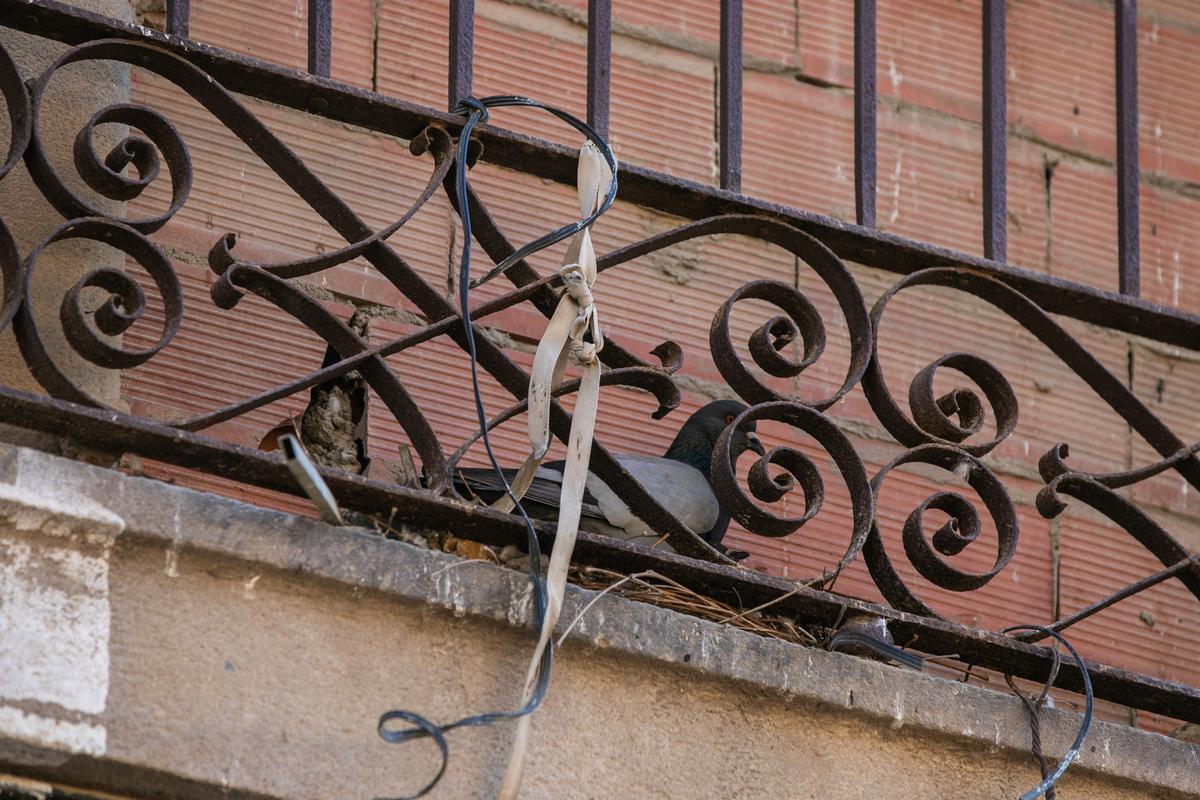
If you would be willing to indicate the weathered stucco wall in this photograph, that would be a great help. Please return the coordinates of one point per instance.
(156, 641)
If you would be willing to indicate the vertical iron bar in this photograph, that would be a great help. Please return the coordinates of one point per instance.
(864, 112)
(320, 37)
(995, 123)
(1128, 170)
(462, 49)
(177, 17)
(730, 84)
(599, 55)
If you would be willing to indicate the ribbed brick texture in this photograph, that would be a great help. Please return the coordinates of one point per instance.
(799, 151)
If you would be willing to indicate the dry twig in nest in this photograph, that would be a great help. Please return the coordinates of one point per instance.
(651, 587)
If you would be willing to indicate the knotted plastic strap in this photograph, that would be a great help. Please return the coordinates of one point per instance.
(573, 331)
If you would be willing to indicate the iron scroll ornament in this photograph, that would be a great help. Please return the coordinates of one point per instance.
(140, 159)
(934, 436)
(939, 427)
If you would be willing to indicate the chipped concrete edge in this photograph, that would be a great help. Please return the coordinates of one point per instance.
(186, 519)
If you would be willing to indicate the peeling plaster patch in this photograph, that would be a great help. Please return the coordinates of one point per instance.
(75, 737)
(54, 626)
(54, 613)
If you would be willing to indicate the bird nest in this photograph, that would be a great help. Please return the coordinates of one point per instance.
(645, 587)
(659, 590)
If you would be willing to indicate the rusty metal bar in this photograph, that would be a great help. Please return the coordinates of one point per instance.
(641, 186)
(1128, 170)
(320, 37)
(995, 125)
(730, 87)
(1118, 596)
(864, 112)
(178, 12)
(599, 54)
(461, 52)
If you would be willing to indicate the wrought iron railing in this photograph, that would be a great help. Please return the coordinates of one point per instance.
(941, 432)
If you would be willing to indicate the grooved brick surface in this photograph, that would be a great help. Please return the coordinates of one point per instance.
(798, 136)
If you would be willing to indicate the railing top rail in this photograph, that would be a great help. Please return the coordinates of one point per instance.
(645, 187)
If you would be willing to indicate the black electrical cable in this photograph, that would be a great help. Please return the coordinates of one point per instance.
(851, 638)
(476, 110)
(1051, 779)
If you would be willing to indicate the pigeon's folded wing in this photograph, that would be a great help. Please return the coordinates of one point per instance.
(681, 489)
(543, 491)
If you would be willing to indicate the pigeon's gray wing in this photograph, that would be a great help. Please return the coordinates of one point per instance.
(544, 490)
(679, 488)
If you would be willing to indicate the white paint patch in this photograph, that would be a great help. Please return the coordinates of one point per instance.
(171, 568)
(76, 737)
(894, 74)
(896, 172)
(54, 626)
(55, 615)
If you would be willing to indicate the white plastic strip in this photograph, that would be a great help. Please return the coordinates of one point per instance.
(575, 330)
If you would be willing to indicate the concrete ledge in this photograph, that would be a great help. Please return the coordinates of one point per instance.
(180, 563)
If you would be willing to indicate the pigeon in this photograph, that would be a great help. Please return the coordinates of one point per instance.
(679, 480)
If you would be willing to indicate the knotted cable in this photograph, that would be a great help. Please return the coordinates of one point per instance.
(583, 333)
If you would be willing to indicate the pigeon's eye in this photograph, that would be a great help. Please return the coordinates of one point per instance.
(729, 418)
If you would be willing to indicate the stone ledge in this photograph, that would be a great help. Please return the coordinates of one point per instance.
(181, 520)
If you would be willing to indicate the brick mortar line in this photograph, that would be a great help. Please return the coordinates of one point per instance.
(656, 37)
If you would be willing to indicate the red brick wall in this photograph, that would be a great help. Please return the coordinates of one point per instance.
(798, 150)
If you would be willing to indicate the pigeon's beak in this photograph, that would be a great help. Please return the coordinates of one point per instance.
(756, 444)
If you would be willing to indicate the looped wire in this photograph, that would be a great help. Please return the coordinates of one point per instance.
(594, 155)
(424, 728)
(1048, 781)
(1033, 709)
